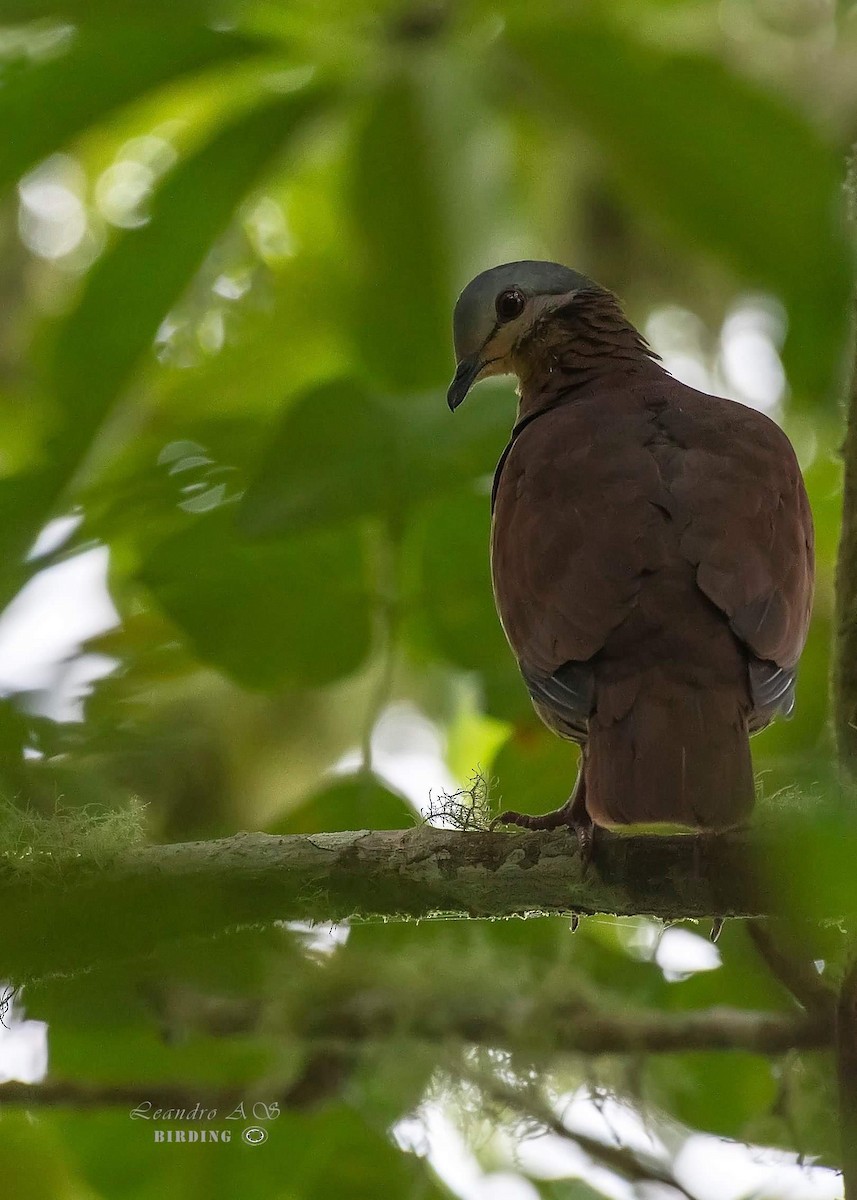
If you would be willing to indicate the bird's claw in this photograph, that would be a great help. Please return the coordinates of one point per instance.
(584, 830)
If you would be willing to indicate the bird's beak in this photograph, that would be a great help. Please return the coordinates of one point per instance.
(465, 377)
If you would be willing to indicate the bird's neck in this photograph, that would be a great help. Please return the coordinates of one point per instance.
(582, 348)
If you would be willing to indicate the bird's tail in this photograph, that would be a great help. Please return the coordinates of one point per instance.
(668, 756)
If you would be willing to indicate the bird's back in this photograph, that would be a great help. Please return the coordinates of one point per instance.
(651, 550)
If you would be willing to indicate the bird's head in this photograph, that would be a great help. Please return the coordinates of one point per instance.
(499, 312)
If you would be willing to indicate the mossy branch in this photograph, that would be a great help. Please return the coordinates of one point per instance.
(62, 917)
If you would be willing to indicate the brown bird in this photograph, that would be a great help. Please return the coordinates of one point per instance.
(651, 554)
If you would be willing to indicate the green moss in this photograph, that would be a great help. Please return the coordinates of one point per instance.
(30, 840)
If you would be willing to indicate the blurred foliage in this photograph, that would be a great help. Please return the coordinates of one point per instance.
(232, 233)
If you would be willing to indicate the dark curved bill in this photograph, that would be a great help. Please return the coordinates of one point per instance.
(465, 377)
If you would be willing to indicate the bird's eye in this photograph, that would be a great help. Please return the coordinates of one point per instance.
(510, 304)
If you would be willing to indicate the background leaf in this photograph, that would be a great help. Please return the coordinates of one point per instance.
(353, 802)
(402, 301)
(130, 289)
(264, 614)
(96, 67)
(758, 166)
(332, 457)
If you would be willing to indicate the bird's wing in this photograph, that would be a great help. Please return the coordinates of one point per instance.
(579, 528)
(747, 527)
(576, 525)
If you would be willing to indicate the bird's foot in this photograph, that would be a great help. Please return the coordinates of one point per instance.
(569, 815)
(551, 820)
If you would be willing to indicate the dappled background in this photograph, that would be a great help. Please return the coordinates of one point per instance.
(243, 545)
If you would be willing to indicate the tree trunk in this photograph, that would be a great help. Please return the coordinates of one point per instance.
(845, 727)
(845, 646)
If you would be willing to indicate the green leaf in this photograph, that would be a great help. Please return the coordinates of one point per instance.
(132, 287)
(402, 301)
(716, 1092)
(730, 166)
(742, 980)
(340, 452)
(293, 612)
(569, 1189)
(314, 1156)
(440, 452)
(31, 1153)
(144, 1024)
(800, 1118)
(104, 64)
(336, 1152)
(455, 599)
(456, 581)
(356, 802)
(332, 457)
(534, 770)
(81, 10)
(805, 836)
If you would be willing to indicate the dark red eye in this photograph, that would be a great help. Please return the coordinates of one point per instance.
(510, 304)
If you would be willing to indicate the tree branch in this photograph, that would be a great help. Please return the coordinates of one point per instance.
(628, 1164)
(795, 971)
(175, 1097)
(58, 917)
(591, 1033)
(333, 1012)
(332, 1039)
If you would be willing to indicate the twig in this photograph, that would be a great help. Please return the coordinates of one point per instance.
(333, 1039)
(333, 1010)
(545, 1029)
(794, 972)
(320, 1078)
(627, 1163)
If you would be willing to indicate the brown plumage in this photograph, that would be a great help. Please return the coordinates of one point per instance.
(651, 554)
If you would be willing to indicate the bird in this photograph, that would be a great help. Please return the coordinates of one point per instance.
(651, 555)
